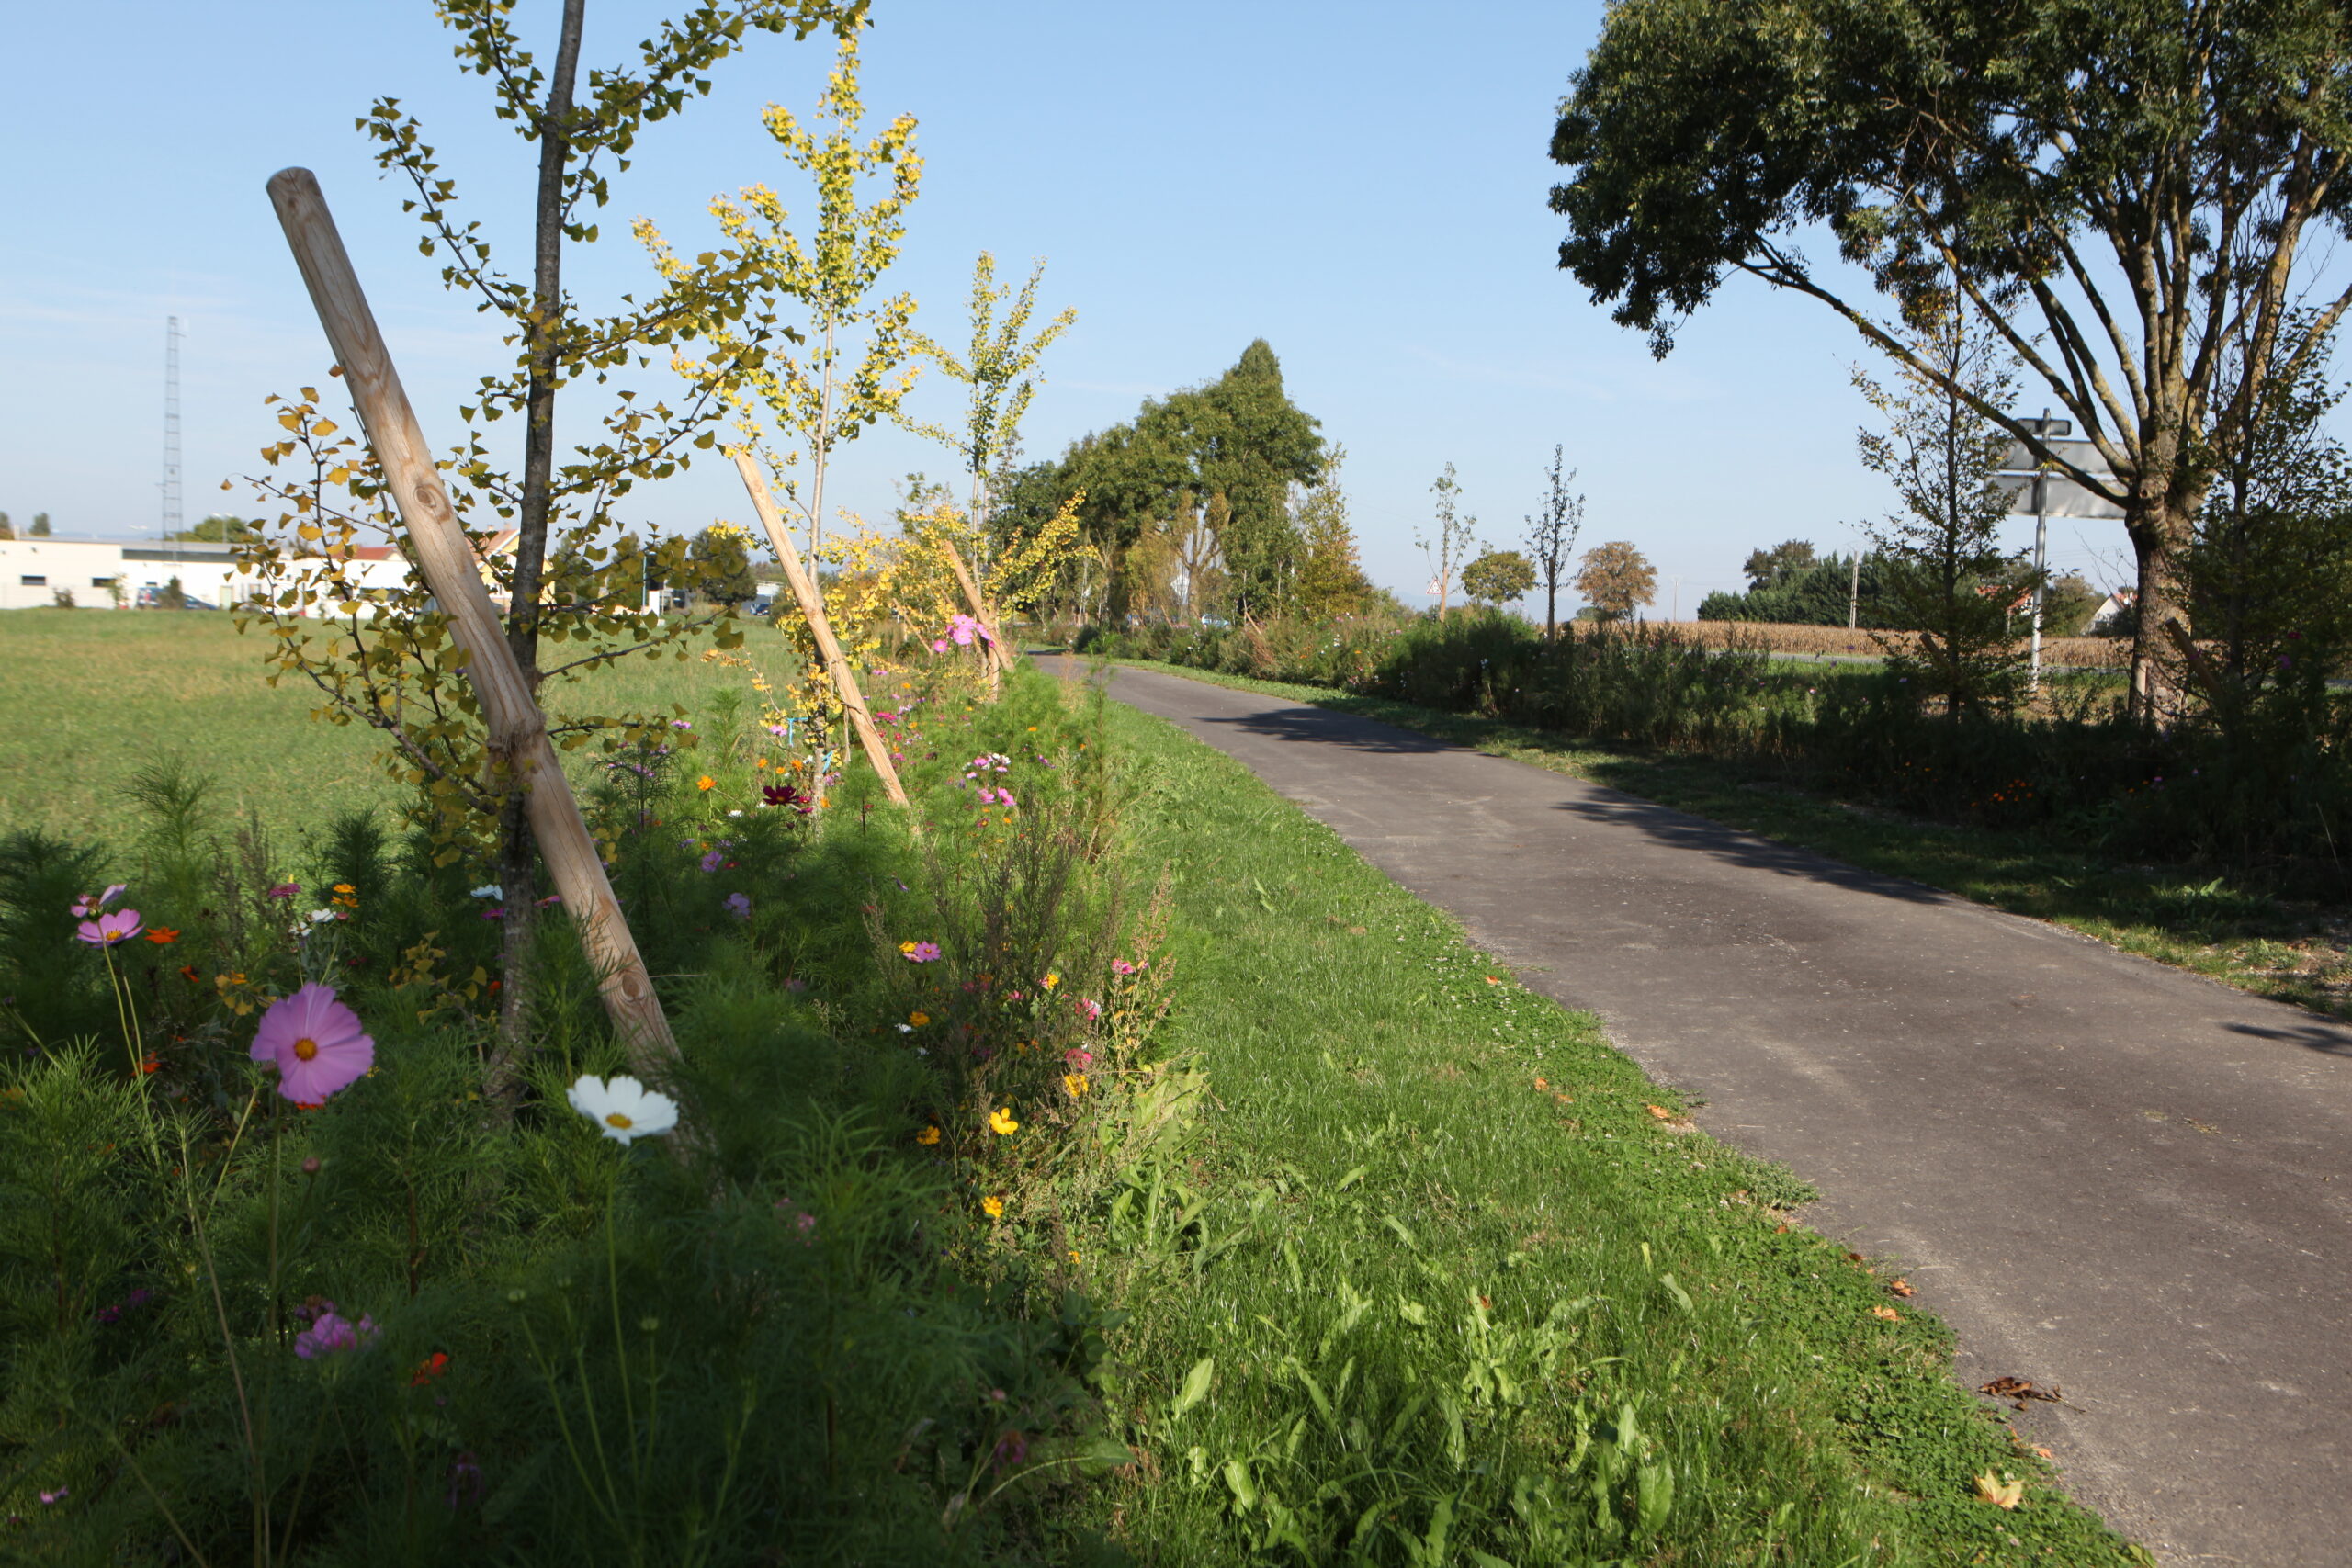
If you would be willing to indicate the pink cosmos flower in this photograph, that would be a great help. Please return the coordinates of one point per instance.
(1078, 1058)
(962, 629)
(119, 925)
(317, 1044)
(919, 952)
(939, 644)
(1089, 1008)
(286, 890)
(1121, 966)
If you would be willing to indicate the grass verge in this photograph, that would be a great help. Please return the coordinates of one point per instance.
(1445, 1279)
(2291, 951)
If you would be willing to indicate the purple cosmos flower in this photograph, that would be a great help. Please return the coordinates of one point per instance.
(497, 914)
(330, 1333)
(919, 952)
(464, 1480)
(784, 795)
(740, 906)
(87, 906)
(713, 860)
(1121, 966)
(49, 1499)
(117, 925)
(682, 724)
(317, 1043)
(286, 890)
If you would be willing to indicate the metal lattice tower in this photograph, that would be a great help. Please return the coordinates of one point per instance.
(171, 485)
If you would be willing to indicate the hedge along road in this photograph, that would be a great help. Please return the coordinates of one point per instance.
(2116, 1179)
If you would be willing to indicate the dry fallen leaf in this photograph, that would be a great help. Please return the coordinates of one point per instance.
(2042, 1451)
(1887, 1313)
(2018, 1390)
(1543, 1083)
(1494, 979)
(2001, 1494)
(1661, 1111)
(1901, 1287)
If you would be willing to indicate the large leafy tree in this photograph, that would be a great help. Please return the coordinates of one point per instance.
(1616, 580)
(1222, 456)
(2130, 189)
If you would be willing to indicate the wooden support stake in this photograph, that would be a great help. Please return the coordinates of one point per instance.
(518, 730)
(999, 660)
(812, 605)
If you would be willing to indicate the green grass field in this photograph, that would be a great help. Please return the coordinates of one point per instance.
(88, 698)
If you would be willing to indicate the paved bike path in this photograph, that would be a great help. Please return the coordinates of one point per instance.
(2107, 1175)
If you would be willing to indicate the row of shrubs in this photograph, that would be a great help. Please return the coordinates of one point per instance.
(811, 1298)
(2264, 784)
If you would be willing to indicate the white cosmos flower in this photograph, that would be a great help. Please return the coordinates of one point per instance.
(622, 1108)
(487, 890)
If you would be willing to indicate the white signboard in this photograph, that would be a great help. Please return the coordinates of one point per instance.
(2060, 497)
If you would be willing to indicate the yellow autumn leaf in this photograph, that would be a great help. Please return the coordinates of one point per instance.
(2001, 1493)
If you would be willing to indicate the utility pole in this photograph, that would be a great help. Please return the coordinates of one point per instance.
(1854, 591)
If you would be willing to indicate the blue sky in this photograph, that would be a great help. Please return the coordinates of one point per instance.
(1363, 185)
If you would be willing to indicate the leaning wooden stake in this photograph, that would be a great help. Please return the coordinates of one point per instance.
(998, 660)
(813, 605)
(518, 730)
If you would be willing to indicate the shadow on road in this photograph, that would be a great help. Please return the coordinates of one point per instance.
(2327, 1038)
(1682, 832)
(1325, 727)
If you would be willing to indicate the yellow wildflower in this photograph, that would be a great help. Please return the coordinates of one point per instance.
(928, 1136)
(1002, 1123)
(1074, 1083)
(1052, 980)
(917, 1018)
(992, 1206)
(706, 782)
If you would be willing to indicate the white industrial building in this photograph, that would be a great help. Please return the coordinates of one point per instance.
(106, 574)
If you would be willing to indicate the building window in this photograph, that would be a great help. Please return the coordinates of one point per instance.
(102, 583)
(28, 580)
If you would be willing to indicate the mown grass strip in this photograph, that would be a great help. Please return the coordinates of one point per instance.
(2243, 937)
(1446, 1279)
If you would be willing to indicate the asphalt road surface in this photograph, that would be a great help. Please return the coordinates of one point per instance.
(2118, 1178)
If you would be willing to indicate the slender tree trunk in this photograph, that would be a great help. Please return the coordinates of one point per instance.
(1551, 605)
(516, 862)
(817, 451)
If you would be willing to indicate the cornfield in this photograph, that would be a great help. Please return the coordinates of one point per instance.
(1838, 642)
